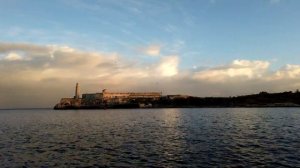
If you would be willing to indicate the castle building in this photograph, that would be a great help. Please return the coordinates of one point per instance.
(119, 97)
(107, 98)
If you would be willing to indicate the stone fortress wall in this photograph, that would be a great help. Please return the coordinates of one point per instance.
(127, 97)
(105, 97)
(109, 95)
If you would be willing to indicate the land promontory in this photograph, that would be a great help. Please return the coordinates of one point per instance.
(106, 99)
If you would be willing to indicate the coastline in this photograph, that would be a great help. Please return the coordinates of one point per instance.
(135, 100)
(160, 107)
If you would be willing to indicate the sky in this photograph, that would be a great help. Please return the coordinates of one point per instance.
(198, 48)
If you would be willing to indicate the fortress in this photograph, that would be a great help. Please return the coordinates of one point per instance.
(108, 99)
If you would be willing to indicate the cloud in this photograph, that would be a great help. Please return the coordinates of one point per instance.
(288, 72)
(36, 67)
(13, 57)
(39, 75)
(152, 50)
(237, 69)
(168, 66)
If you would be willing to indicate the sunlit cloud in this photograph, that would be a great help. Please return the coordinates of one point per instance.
(237, 69)
(289, 71)
(13, 57)
(168, 66)
(42, 74)
(152, 50)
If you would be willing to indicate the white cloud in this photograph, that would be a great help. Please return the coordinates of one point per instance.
(289, 71)
(62, 48)
(152, 50)
(237, 69)
(53, 68)
(168, 66)
(38, 76)
(12, 56)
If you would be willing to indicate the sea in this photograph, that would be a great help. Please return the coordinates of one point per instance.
(171, 137)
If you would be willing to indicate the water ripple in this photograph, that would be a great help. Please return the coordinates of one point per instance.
(151, 138)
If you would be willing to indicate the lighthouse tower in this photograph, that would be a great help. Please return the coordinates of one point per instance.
(77, 92)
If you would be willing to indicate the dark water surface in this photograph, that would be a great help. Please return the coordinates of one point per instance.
(223, 137)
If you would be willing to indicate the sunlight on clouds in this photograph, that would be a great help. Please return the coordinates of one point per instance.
(63, 62)
(251, 64)
(61, 48)
(33, 69)
(238, 68)
(152, 50)
(168, 66)
(13, 57)
(289, 71)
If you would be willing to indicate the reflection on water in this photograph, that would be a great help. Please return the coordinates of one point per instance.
(150, 137)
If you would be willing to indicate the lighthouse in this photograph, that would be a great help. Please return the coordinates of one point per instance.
(77, 91)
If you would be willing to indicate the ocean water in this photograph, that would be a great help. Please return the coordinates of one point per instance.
(200, 137)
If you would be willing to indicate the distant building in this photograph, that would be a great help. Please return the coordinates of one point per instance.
(119, 97)
(107, 98)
